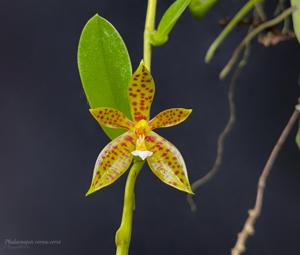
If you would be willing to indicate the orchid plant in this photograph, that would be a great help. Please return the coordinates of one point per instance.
(105, 73)
(105, 70)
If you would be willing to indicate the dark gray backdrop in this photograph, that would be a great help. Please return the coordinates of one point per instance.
(49, 141)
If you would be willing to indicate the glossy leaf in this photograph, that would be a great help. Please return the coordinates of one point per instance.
(199, 8)
(168, 21)
(104, 67)
(296, 18)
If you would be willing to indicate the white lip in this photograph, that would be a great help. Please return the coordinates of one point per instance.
(142, 154)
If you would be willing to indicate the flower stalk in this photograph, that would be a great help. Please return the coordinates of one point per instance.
(123, 235)
(149, 29)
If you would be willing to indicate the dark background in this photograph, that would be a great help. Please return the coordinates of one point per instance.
(49, 142)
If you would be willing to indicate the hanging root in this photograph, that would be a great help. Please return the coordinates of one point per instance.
(254, 213)
(225, 133)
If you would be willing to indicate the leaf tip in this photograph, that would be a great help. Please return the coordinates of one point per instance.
(96, 16)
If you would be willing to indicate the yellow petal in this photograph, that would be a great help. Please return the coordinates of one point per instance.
(140, 93)
(170, 117)
(113, 161)
(111, 118)
(167, 163)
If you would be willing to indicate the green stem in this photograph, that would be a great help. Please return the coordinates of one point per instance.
(149, 29)
(236, 19)
(251, 35)
(123, 235)
(259, 8)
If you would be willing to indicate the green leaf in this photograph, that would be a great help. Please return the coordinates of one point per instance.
(199, 8)
(168, 21)
(298, 137)
(296, 18)
(104, 67)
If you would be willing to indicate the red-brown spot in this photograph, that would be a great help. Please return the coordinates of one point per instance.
(140, 117)
(150, 138)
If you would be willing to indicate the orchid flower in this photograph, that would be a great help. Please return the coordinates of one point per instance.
(140, 140)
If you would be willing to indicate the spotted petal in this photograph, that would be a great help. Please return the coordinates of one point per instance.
(167, 163)
(170, 117)
(111, 118)
(113, 161)
(140, 93)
